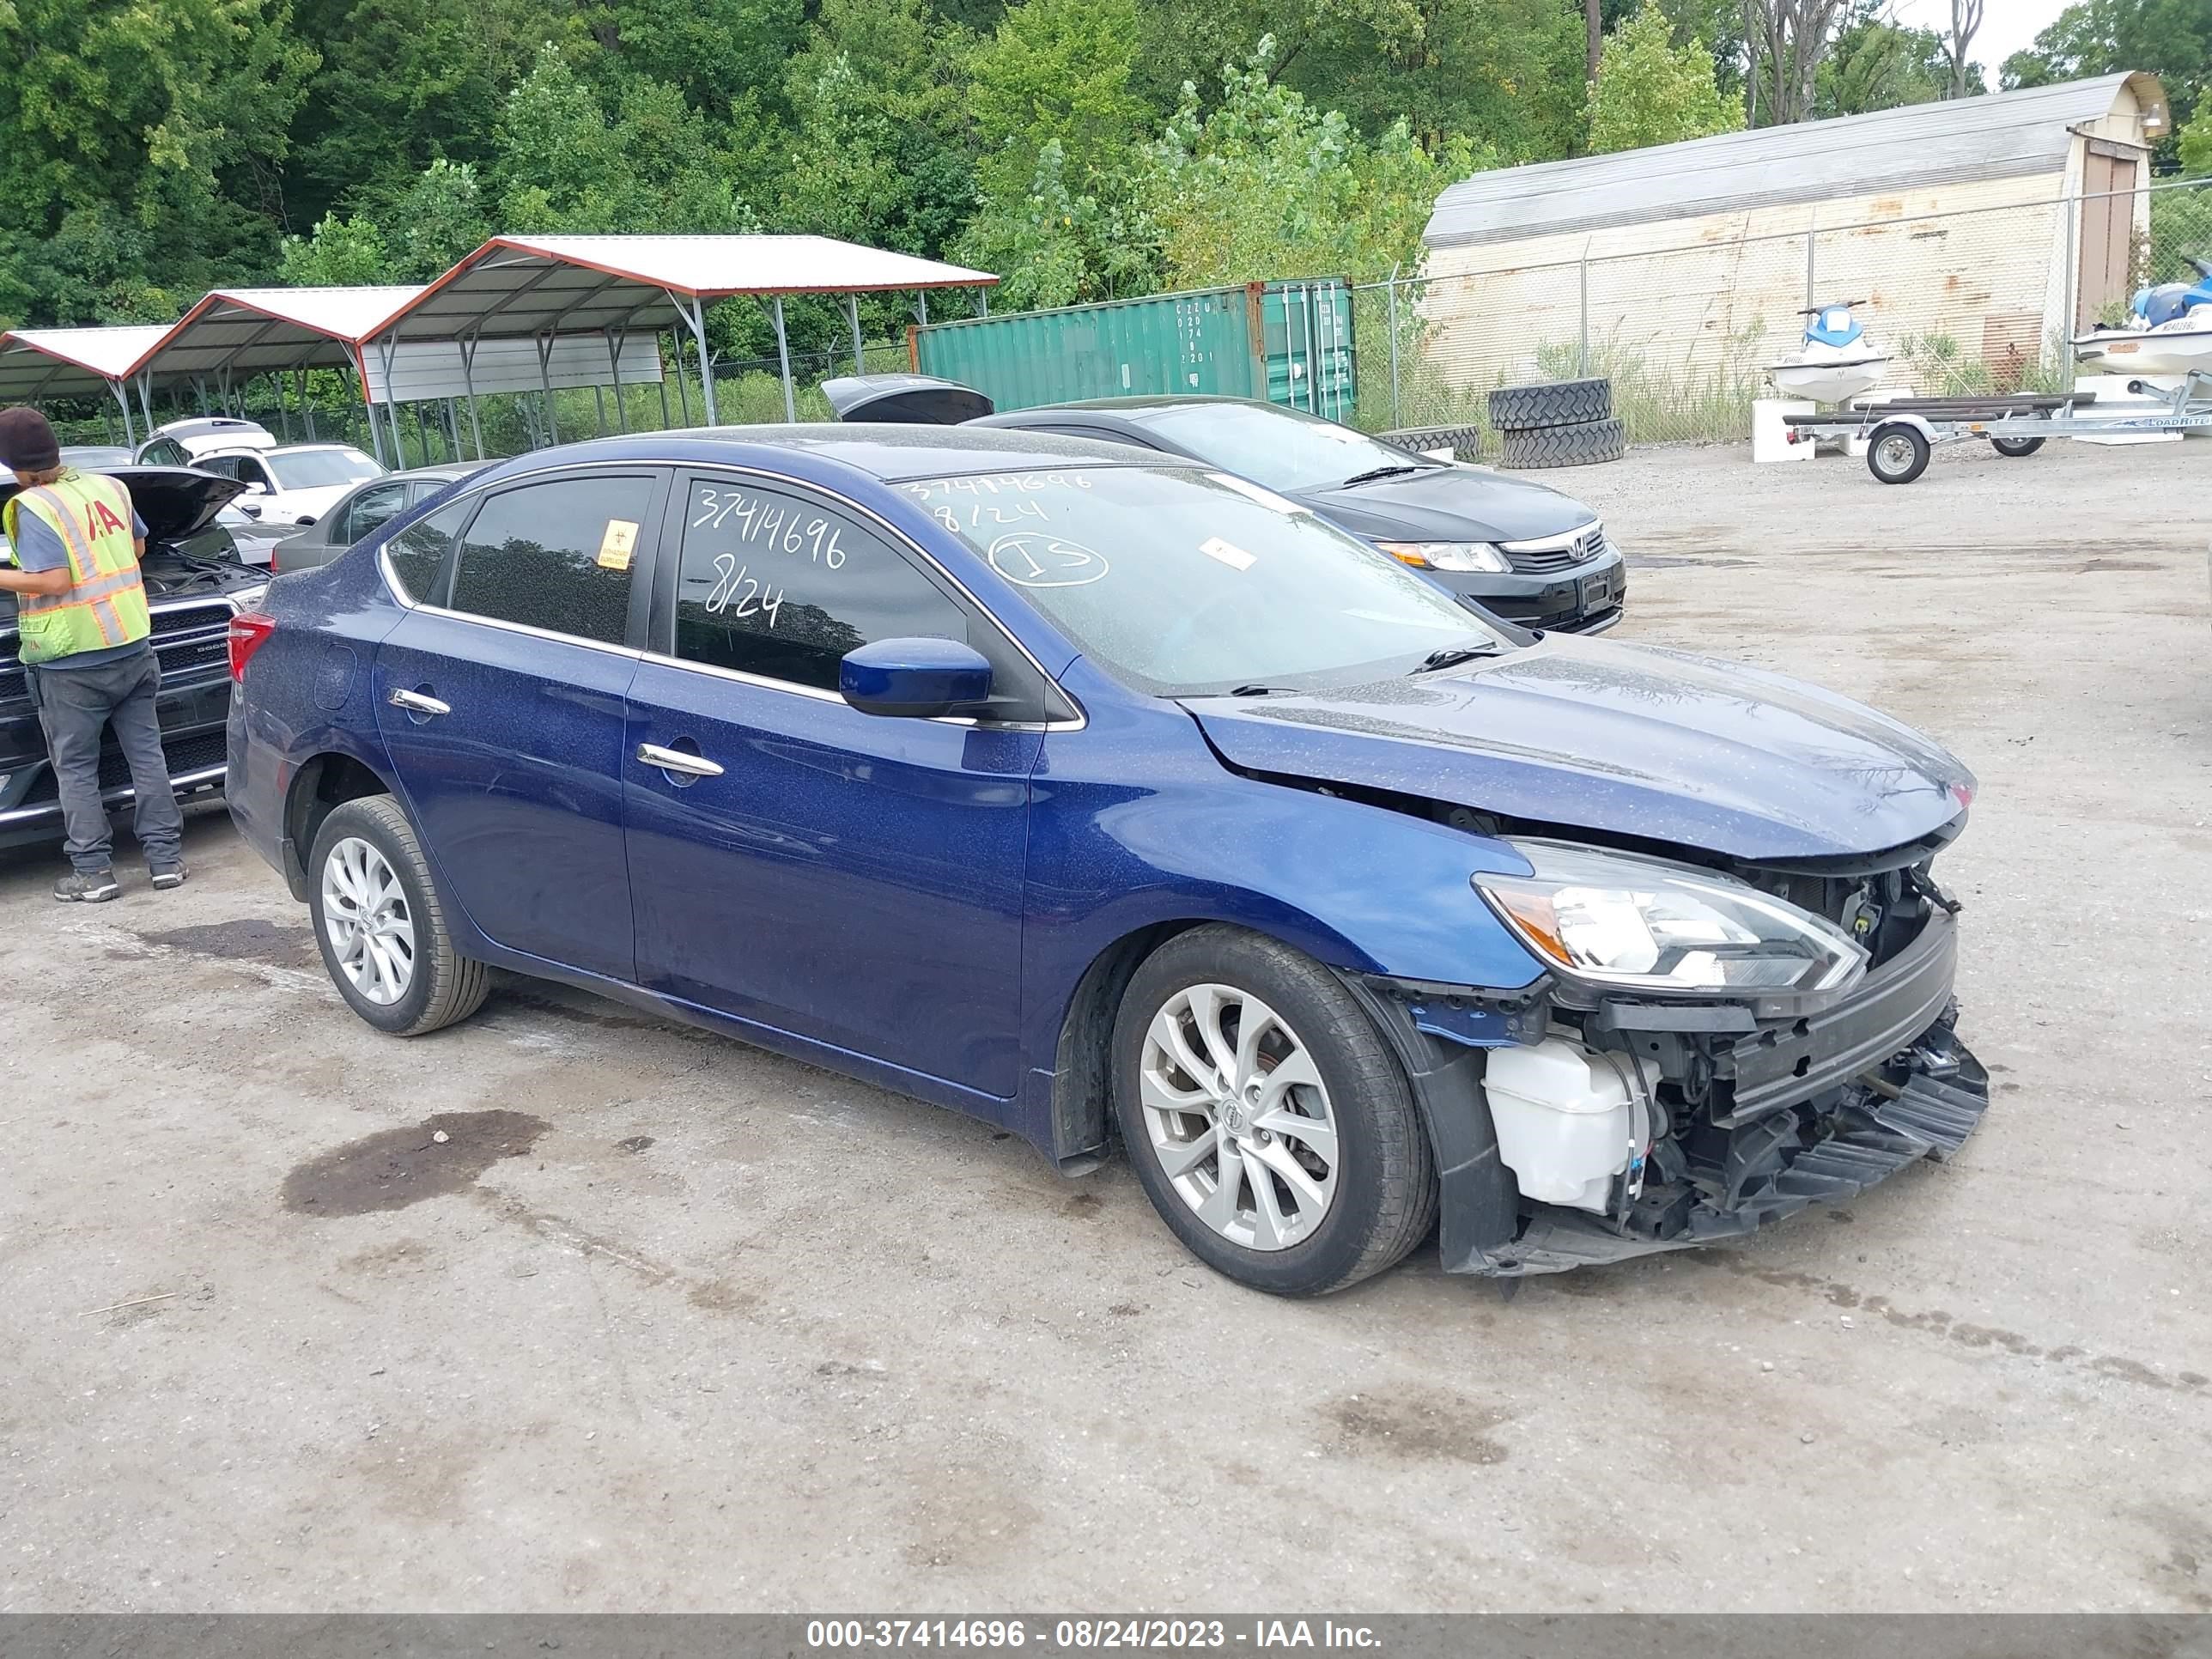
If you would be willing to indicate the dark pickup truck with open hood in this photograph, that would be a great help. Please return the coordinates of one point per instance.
(195, 584)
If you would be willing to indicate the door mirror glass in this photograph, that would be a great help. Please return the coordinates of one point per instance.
(916, 678)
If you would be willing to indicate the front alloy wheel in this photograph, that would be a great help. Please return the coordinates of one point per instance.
(1271, 1126)
(1238, 1116)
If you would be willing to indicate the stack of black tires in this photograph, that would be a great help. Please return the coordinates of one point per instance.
(1563, 423)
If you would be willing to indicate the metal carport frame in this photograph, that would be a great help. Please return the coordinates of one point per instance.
(543, 287)
(39, 363)
(236, 334)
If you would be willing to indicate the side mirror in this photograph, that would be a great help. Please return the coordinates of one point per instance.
(251, 509)
(257, 489)
(914, 679)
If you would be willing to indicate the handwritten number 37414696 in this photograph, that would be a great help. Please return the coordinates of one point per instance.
(739, 594)
(760, 524)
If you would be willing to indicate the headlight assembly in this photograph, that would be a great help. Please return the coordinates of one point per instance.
(1616, 919)
(1448, 556)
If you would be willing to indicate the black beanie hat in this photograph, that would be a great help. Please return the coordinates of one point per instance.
(27, 442)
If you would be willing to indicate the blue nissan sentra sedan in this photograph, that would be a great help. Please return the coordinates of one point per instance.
(1101, 793)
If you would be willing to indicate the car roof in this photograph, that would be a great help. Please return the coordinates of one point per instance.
(888, 452)
(1134, 406)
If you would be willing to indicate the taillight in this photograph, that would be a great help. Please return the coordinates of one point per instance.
(249, 631)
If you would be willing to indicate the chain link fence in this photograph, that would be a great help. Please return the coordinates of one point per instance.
(1982, 300)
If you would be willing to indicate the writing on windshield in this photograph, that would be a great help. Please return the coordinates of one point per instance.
(1183, 581)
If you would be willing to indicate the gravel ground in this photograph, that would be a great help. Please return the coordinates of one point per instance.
(666, 1322)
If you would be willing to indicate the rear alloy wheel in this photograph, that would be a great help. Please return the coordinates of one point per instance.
(1269, 1124)
(381, 927)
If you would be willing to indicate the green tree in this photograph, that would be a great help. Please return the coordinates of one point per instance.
(2171, 39)
(338, 253)
(565, 164)
(140, 148)
(1057, 72)
(2196, 144)
(1267, 185)
(1648, 91)
(407, 83)
(881, 148)
(1879, 64)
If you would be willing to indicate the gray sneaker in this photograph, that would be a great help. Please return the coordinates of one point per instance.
(167, 875)
(76, 888)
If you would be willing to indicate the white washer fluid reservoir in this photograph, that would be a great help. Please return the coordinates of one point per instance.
(1570, 1119)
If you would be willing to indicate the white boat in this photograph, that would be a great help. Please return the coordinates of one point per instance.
(1836, 361)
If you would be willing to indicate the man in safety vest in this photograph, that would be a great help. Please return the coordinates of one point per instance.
(81, 615)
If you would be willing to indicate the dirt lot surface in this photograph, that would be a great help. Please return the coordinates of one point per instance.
(664, 1322)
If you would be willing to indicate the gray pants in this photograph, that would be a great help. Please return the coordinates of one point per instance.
(75, 705)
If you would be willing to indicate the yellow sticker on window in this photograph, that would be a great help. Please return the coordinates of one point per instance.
(618, 544)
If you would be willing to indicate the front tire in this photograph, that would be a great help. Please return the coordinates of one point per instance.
(1897, 453)
(1269, 1123)
(381, 927)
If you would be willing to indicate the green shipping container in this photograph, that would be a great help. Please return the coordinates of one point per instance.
(1289, 343)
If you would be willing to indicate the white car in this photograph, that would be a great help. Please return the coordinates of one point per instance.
(181, 443)
(292, 484)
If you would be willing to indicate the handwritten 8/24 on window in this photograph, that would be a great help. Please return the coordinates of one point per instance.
(766, 523)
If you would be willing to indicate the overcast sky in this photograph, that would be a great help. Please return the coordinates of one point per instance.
(2007, 26)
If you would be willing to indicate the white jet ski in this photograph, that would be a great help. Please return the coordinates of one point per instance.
(2169, 333)
(1836, 361)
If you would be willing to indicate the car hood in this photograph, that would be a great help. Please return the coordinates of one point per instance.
(1450, 504)
(1628, 740)
(286, 508)
(176, 502)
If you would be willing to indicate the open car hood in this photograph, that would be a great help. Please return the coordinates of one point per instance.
(176, 502)
(907, 399)
(1628, 740)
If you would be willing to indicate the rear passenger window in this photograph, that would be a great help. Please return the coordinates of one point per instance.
(555, 557)
(370, 509)
(417, 553)
(774, 584)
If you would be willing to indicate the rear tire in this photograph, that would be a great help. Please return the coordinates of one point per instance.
(1585, 445)
(381, 927)
(2017, 448)
(1330, 1174)
(1897, 453)
(1556, 402)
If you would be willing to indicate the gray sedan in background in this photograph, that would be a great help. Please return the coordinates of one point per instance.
(368, 507)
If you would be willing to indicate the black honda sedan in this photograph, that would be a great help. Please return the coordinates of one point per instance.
(1520, 550)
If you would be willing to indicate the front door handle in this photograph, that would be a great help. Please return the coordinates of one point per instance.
(416, 703)
(675, 760)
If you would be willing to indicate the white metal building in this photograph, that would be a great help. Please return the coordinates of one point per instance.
(2002, 222)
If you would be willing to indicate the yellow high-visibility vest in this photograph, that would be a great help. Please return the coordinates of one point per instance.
(105, 605)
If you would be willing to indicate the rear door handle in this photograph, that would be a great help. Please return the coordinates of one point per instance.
(675, 760)
(416, 703)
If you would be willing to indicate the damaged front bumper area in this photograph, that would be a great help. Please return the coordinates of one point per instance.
(1752, 1109)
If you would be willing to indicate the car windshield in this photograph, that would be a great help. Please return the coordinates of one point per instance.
(317, 469)
(1185, 582)
(1281, 448)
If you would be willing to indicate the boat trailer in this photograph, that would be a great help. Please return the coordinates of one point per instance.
(1901, 434)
